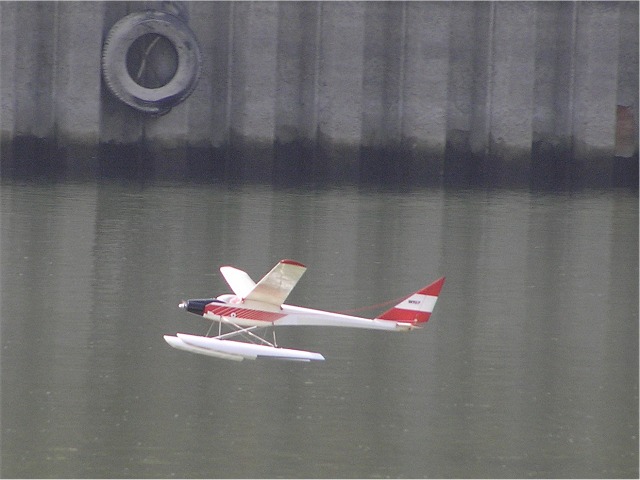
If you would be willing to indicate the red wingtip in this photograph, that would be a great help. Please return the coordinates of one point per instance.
(434, 288)
(292, 262)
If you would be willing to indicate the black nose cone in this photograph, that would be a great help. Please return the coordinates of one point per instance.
(196, 306)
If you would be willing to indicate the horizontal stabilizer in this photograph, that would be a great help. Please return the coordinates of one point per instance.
(239, 281)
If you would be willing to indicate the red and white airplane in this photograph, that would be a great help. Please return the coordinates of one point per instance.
(258, 305)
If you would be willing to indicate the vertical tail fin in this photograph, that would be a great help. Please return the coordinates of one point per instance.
(415, 308)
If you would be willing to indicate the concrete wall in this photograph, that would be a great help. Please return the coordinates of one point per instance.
(399, 90)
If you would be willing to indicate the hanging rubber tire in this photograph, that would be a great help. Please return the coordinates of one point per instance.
(142, 44)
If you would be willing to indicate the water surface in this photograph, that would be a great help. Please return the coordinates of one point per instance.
(528, 367)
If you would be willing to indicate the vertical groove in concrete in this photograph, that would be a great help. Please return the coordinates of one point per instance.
(296, 96)
(77, 75)
(381, 74)
(383, 54)
(482, 47)
(596, 80)
(227, 69)
(546, 55)
(552, 97)
(296, 70)
(567, 67)
(8, 31)
(341, 74)
(205, 105)
(76, 82)
(402, 66)
(253, 73)
(253, 87)
(34, 69)
(628, 57)
(512, 84)
(627, 88)
(460, 89)
(426, 80)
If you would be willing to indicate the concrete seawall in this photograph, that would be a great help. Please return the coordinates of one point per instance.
(418, 91)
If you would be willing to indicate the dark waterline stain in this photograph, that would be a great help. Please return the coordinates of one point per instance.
(301, 163)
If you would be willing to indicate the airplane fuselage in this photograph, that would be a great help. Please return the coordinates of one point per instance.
(231, 309)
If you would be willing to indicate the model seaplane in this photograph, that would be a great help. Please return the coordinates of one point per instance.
(261, 305)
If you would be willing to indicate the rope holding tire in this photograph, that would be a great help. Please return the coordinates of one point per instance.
(151, 61)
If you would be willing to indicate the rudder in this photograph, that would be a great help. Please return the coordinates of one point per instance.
(416, 308)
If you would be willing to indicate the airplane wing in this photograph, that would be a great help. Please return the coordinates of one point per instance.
(276, 285)
(239, 281)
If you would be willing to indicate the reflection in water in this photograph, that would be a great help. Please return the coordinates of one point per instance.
(529, 366)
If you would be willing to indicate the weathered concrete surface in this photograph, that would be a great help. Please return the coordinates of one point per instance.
(532, 91)
(596, 72)
(511, 80)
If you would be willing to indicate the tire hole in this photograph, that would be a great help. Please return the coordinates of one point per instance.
(152, 61)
